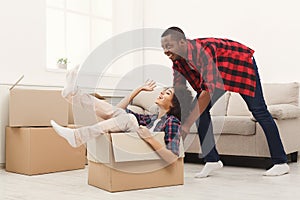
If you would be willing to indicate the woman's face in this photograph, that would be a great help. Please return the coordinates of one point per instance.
(164, 100)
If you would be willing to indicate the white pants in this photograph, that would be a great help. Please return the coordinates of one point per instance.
(115, 119)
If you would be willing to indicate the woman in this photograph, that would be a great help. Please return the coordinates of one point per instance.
(119, 118)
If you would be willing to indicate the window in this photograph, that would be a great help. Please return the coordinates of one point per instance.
(75, 28)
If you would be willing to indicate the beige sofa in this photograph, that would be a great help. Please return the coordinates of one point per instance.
(236, 131)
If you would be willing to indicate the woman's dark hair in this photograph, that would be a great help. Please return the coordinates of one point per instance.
(182, 101)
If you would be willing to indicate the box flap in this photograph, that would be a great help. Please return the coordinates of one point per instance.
(123, 147)
(130, 147)
(98, 149)
(181, 148)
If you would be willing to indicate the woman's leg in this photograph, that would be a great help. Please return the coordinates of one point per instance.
(122, 123)
(88, 102)
(76, 137)
(101, 108)
(70, 87)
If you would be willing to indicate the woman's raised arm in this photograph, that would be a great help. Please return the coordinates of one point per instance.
(147, 86)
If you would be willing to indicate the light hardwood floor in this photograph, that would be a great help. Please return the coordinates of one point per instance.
(228, 183)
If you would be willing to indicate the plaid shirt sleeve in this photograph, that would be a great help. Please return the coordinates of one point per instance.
(142, 119)
(172, 134)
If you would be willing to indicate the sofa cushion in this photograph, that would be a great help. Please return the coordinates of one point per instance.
(236, 125)
(220, 107)
(146, 99)
(233, 125)
(237, 106)
(281, 93)
(154, 109)
(194, 128)
(136, 109)
(274, 93)
(284, 111)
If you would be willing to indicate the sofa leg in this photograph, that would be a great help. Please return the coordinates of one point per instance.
(294, 156)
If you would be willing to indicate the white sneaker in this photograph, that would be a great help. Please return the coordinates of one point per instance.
(278, 170)
(209, 168)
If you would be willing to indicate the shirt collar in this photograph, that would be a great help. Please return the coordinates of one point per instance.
(190, 48)
(164, 117)
(160, 123)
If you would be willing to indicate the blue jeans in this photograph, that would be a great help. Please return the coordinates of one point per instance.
(259, 110)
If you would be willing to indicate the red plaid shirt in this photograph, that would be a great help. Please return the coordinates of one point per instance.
(217, 63)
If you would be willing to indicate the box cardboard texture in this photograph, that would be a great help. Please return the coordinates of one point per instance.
(32, 150)
(34, 107)
(123, 161)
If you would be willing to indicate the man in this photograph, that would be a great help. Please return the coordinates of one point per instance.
(213, 66)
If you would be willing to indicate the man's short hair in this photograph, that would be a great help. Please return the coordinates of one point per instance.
(175, 32)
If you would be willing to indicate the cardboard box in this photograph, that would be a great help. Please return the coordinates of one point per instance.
(123, 161)
(40, 150)
(82, 115)
(4, 96)
(34, 107)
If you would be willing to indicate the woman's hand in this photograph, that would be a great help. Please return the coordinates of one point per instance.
(148, 86)
(144, 133)
(167, 155)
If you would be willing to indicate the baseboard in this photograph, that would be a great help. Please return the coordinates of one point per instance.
(238, 161)
(2, 165)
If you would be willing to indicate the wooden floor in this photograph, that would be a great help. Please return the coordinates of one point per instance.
(228, 183)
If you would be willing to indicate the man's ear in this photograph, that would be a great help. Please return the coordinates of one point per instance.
(182, 42)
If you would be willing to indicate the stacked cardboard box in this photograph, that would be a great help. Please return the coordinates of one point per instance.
(32, 146)
(123, 161)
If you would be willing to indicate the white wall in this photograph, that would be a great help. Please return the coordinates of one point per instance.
(23, 40)
(271, 28)
(23, 43)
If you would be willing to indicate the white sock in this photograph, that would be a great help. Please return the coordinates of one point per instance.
(66, 133)
(209, 168)
(70, 87)
(278, 170)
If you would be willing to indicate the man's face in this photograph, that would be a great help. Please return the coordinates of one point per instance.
(173, 49)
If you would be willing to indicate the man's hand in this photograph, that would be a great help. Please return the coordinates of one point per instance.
(144, 133)
(184, 130)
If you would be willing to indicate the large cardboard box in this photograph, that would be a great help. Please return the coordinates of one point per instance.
(36, 107)
(81, 115)
(123, 161)
(31, 150)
